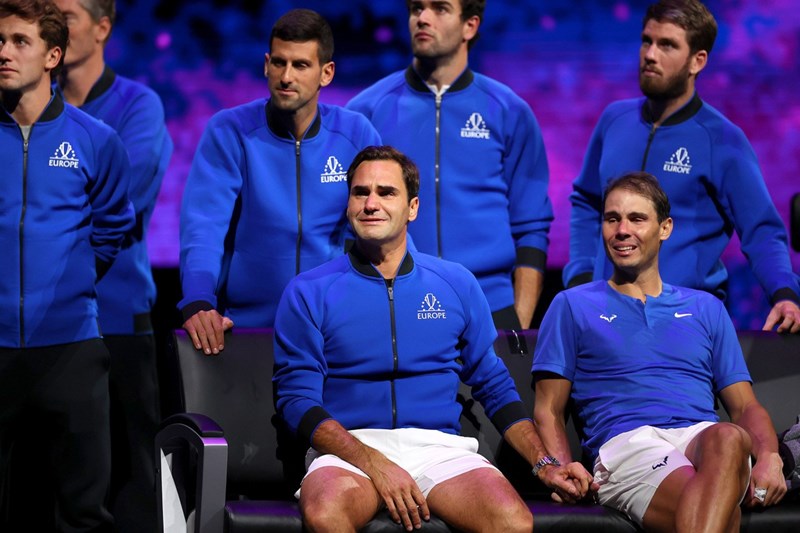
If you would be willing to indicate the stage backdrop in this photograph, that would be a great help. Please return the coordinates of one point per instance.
(567, 59)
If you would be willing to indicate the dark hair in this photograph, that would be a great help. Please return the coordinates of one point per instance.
(388, 153)
(98, 9)
(51, 21)
(303, 25)
(469, 9)
(692, 16)
(643, 184)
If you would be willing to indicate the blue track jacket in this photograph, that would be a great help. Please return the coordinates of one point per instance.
(373, 353)
(64, 213)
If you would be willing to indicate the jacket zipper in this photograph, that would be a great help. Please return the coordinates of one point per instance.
(25, 142)
(649, 143)
(436, 168)
(390, 291)
(299, 206)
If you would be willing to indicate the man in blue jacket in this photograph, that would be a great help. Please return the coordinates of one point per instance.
(480, 151)
(642, 361)
(703, 161)
(369, 352)
(64, 213)
(126, 295)
(264, 197)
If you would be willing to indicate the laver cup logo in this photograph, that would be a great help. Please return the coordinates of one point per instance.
(475, 128)
(333, 172)
(64, 157)
(431, 309)
(680, 162)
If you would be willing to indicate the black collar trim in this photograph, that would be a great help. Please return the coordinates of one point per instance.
(364, 266)
(277, 126)
(51, 112)
(102, 85)
(416, 83)
(681, 115)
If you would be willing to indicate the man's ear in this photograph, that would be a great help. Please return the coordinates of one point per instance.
(102, 30)
(328, 70)
(266, 64)
(698, 62)
(53, 58)
(413, 209)
(666, 229)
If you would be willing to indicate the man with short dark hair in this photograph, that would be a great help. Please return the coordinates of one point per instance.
(64, 213)
(263, 201)
(126, 295)
(481, 154)
(643, 361)
(369, 352)
(703, 161)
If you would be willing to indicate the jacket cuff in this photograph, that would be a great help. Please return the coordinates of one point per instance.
(531, 257)
(191, 309)
(311, 421)
(509, 414)
(784, 293)
(580, 279)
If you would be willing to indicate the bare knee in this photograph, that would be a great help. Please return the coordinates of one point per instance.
(335, 505)
(727, 440)
(513, 518)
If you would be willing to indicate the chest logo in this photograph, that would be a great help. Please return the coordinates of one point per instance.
(608, 319)
(681, 315)
(64, 157)
(475, 128)
(679, 162)
(431, 308)
(333, 171)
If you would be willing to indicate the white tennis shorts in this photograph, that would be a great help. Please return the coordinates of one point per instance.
(429, 456)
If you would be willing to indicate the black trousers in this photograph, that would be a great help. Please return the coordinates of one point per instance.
(57, 397)
(135, 416)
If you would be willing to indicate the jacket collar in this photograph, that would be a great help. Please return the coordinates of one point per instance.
(277, 126)
(461, 83)
(681, 115)
(364, 266)
(51, 112)
(102, 85)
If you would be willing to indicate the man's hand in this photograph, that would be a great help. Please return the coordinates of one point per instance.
(784, 314)
(767, 484)
(570, 482)
(400, 493)
(207, 331)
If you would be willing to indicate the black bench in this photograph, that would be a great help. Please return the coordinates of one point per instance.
(236, 466)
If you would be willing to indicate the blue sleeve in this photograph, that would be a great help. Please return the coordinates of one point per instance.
(557, 341)
(149, 146)
(112, 212)
(585, 216)
(727, 359)
(209, 197)
(361, 103)
(527, 175)
(761, 231)
(300, 366)
(482, 369)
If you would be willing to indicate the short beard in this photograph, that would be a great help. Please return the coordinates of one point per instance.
(676, 86)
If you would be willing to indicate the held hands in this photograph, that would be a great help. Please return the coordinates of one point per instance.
(767, 484)
(400, 494)
(207, 329)
(570, 482)
(784, 314)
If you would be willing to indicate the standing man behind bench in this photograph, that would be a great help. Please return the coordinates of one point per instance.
(369, 352)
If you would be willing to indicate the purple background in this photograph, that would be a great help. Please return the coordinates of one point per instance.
(567, 59)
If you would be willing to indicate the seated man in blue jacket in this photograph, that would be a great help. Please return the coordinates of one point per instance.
(369, 352)
(643, 361)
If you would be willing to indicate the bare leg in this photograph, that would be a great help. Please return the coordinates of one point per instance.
(334, 499)
(704, 498)
(480, 500)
